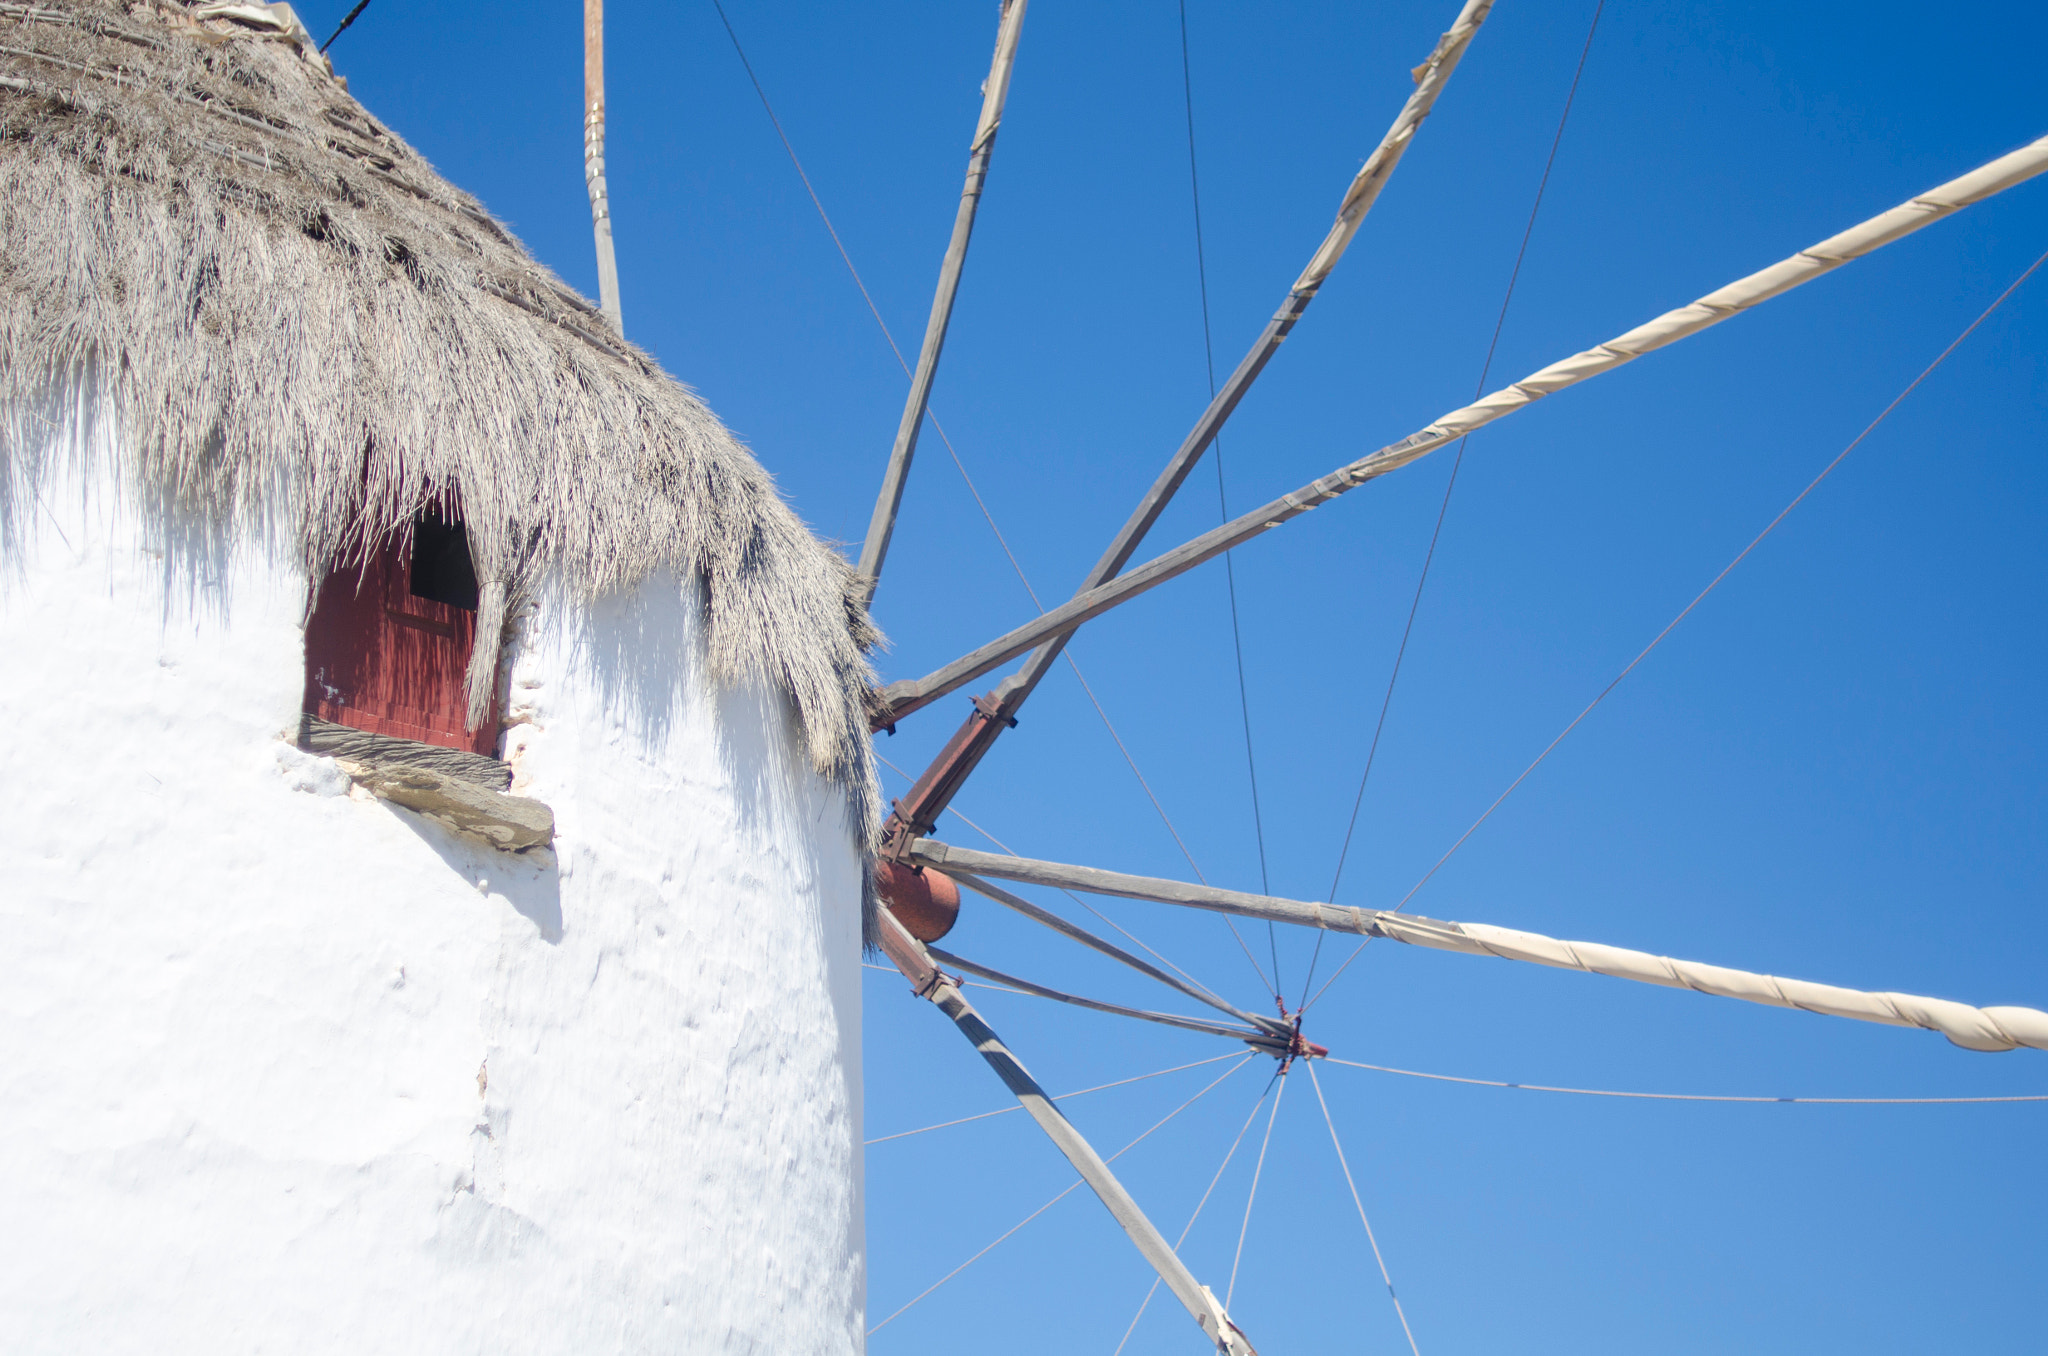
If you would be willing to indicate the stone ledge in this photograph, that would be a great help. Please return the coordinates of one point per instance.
(331, 740)
(508, 823)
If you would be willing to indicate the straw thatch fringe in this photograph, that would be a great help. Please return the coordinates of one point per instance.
(305, 332)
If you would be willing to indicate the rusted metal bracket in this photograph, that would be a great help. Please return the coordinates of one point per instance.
(917, 813)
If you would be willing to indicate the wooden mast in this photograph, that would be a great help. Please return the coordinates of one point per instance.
(593, 160)
(995, 91)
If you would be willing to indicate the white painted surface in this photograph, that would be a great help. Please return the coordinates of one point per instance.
(283, 1068)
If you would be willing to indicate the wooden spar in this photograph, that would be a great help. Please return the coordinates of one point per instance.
(915, 962)
(593, 161)
(1051, 627)
(1271, 1026)
(962, 864)
(920, 810)
(1973, 1028)
(1272, 1044)
(995, 91)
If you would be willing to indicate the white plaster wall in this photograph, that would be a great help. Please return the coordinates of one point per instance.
(283, 1068)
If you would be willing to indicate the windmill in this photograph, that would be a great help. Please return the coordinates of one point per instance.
(921, 873)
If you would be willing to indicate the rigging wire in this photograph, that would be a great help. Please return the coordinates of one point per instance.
(1370, 1237)
(1060, 1097)
(1457, 464)
(1280, 1091)
(1694, 1096)
(1244, 704)
(1728, 569)
(1188, 1228)
(1071, 1187)
(1699, 598)
(961, 467)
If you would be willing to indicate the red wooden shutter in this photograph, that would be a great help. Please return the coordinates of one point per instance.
(381, 658)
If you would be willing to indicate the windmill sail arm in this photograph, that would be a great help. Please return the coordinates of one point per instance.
(1973, 1028)
(904, 697)
(930, 983)
(1248, 1034)
(995, 94)
(1088, 939)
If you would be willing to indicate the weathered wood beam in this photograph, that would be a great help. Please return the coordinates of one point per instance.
(916, 964)
(1973, 1028)
(995, 91)
(1271, 1026)
(1276, 1045)
(920, 811)
(1710, 310)
(593, 161)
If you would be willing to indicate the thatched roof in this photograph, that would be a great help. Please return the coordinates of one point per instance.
(306, 331)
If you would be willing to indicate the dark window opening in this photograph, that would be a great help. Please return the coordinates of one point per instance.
(441, 568)
(389, 639)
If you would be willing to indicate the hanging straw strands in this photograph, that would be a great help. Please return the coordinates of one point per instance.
(1710, 310)
(995, 92)
(1692, 1096)
(1994, 1028)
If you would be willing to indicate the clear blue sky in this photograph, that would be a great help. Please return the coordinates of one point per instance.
(1833, 770)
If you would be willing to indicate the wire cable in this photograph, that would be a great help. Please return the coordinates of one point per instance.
(1726, 570)
(1188, 1228)
(1457, 464)
(1280, 1091)
(1694, 1096)
(1076, 1183)
(1061, 1097)
(959, 465)
(1244, 704)
(1345, 1164)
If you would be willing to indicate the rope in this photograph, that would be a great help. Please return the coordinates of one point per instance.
(1457, 464)
(1343, 1163)
(1244, 1060)
(1280, 1091)
(1695, 1096)
(1187, 1228)
(1740, 556)
(1061, 1097)
(1187, 85)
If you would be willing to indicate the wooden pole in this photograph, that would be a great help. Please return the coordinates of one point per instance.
(1364, 191)
(1271, 1026)
(1973, 1028)
(1050, 629)
(930, 983)
(593, 161)
(995, 91)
